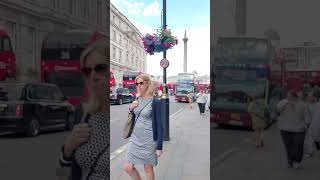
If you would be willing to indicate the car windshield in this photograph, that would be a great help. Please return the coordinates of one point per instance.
(10, 92)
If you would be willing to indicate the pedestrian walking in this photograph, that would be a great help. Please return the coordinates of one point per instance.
(314, 128)
(257, 108)
(201, 100)
(311, 105)
(190, 99)
(208, 101)
(86, 149)
(145, 143)
(292, 125)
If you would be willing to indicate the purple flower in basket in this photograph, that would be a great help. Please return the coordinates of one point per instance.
(159, 42)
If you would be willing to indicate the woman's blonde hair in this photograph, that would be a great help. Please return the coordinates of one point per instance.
(148, 82)
(101, 47)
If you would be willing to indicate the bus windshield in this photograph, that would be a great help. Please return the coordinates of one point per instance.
(239, 74)
(64, 46)
(184, 89)
(242, 51)
(131, 87)
(69, 82)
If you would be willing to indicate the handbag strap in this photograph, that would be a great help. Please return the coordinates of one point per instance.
(142, 109)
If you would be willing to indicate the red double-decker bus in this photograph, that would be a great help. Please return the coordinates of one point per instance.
(112, 79)
(60, 61)
(7, 57)
(128, 81)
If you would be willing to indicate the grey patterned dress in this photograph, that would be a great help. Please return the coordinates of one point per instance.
(141, 146)
(87, 153)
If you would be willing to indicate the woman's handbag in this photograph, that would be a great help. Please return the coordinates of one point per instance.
(128, 127)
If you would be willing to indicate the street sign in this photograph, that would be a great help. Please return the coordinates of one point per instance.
(164, 63)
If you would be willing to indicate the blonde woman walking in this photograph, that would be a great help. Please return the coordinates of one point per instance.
(145, 144)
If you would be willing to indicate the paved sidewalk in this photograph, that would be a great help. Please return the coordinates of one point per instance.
(269, 163)
(187, 154)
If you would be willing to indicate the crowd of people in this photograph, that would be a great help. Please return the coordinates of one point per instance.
(299, 124)
(298, 114)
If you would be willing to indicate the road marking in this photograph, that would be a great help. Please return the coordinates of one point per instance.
(225, 155)
(176, 113)
(124, 147)
(118, 151)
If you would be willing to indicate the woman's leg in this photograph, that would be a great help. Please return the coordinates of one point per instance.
(256, 137)
(132, 171)
(203, 105)
(287, 141)
(199, 104)
(298, 146)
(149, 171)
(261, 137)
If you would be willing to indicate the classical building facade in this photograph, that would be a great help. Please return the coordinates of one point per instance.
(28, 21)
(127, 52)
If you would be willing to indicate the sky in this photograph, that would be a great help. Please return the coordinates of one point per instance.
(192, 16)
(295, 20)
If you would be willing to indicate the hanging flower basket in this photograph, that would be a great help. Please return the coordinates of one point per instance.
(159, 42)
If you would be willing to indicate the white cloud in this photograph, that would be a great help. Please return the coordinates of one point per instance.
(153, 9)
(129, 6)
(141, 27)
(198, 53)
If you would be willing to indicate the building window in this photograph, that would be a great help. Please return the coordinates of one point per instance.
(114, 35)
(132, 63)
(127, 43)
(120, 40)
(127, 58)
(99, 15)
(84, 8)
(66, 5)
(120, 55)
(56, 4)
(114, 53)
(114, 19)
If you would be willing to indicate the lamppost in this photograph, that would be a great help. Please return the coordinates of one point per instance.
(164, 63)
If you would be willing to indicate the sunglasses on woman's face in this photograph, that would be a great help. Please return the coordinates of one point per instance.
(141, 83)
(100, 68)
